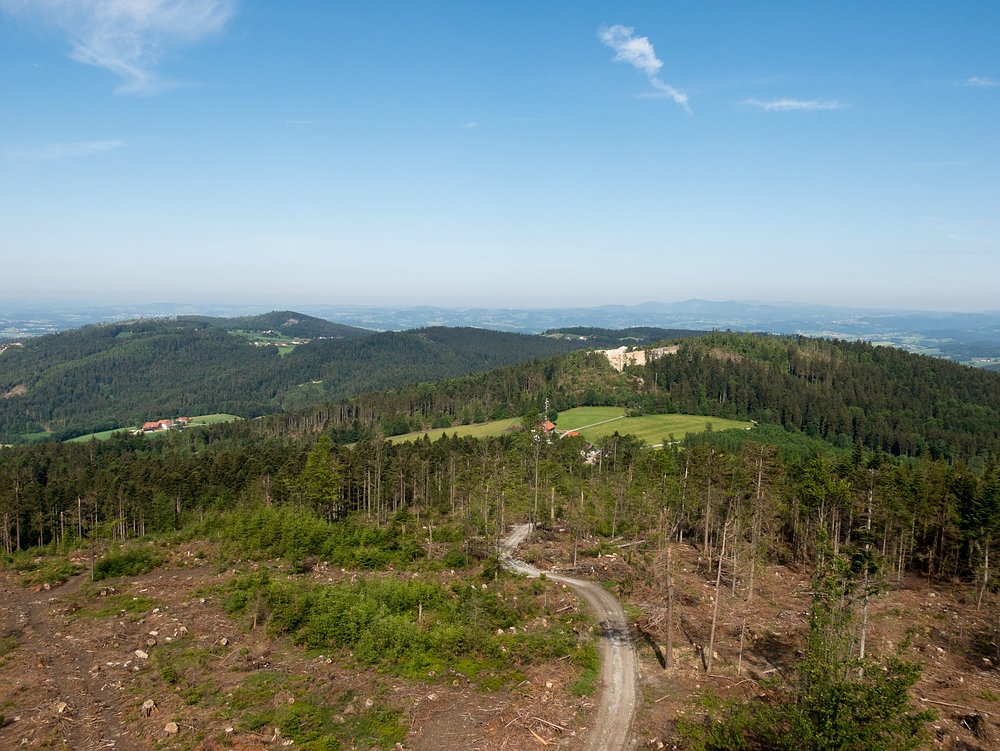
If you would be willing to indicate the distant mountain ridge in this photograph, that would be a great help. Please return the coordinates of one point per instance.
(102, 377)
(972, 338)
(286, 322)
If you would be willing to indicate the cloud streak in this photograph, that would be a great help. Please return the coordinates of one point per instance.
(639, 53)
(55, 151)
(980, 82)
(126, 37)
(797, 105)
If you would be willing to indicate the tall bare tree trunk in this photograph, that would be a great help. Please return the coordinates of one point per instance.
(668, 657)
(715, 606)
(868, 545)
(708, 512)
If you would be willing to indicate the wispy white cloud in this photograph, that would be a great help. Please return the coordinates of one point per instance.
(64, 150)
(980, 82)
(639, 53)
(792, 105)
(471, 125)
(127, 37)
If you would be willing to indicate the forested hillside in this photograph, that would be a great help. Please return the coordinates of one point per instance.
(118, 375)
(635, 336)
(285, 322)
(845, 393)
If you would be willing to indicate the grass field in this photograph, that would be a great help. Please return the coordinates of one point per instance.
(212, 419)
(654, 429)
(574, 419)
(480, 430)
(102, 436)
(279, 340)
(602, 421)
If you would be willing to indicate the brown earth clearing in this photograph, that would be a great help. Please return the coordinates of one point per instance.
(73, 674)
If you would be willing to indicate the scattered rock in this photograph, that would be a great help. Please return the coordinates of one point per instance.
(224, 641)
(60, 707)
(171, 728)
(141, 655)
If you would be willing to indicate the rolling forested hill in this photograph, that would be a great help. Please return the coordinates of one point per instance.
(842, 392)
(636, 336)
(117, 375)
(285, 322)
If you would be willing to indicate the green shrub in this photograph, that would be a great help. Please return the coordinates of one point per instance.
(408, 627)
(134, 562)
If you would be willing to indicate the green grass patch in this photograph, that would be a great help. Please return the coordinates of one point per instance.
(39, 436)
(593, 423)
(53, 572)
(576, 418)
(188, 670)
(590, 661)
(7, 645)
(480, 430)
(653, 429)
(122, 604)
(212, 419)
(314, 721)
(102, 435)
(36, 566)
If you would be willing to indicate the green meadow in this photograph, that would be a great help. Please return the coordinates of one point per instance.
(479, 430)
(595, 422)
(654, 429)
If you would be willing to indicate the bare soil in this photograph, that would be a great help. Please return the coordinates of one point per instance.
(70, 676)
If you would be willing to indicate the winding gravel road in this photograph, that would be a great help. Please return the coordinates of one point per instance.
(610, 730)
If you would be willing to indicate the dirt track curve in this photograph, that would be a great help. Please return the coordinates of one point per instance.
(610, 730)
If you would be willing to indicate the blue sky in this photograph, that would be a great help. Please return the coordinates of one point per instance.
(511, 154)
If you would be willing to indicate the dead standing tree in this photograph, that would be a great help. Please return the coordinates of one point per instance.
(715, 606)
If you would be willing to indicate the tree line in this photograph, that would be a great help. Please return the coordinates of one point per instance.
(933, 516)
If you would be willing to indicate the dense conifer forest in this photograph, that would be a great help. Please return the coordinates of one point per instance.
(119, 375)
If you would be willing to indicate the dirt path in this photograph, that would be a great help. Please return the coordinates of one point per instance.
(610, 731)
